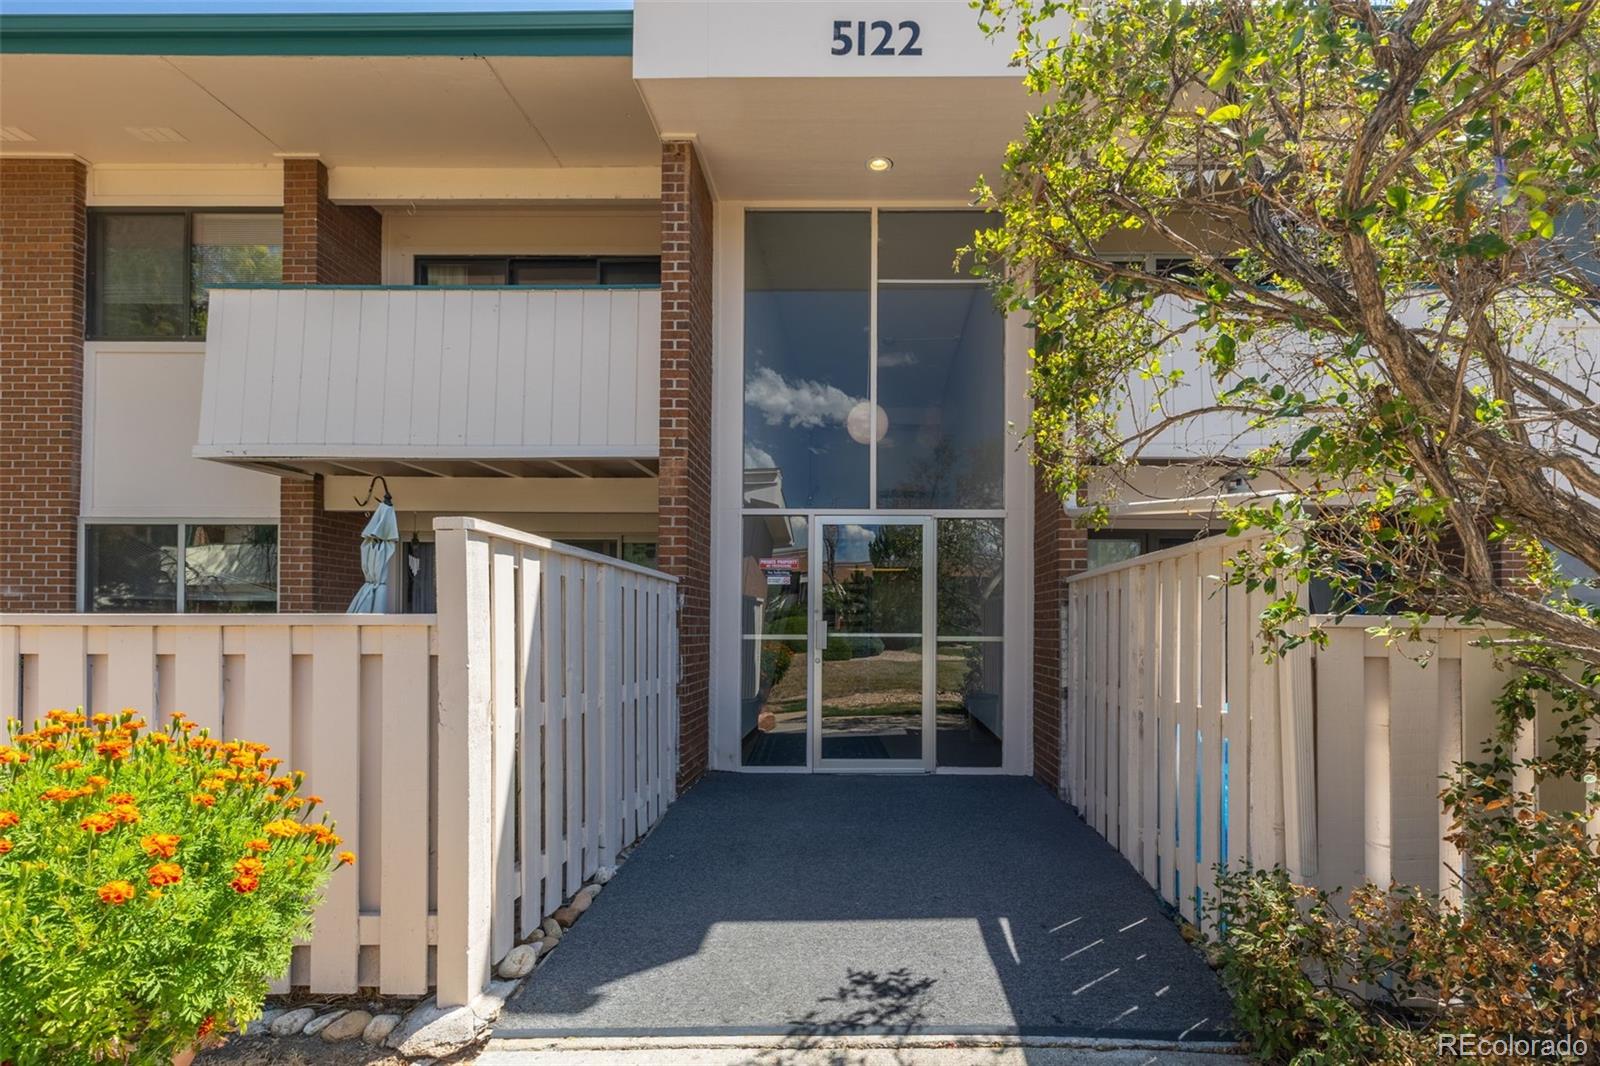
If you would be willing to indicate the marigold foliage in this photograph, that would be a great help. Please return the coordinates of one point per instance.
(134, 919)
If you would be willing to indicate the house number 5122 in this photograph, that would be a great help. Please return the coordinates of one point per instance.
(876, 38)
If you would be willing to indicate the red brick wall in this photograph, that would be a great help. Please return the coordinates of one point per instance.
(319, 551)
(1060, 549)
(319, 561)
(325, 243)
(43, 233)
(685, 485)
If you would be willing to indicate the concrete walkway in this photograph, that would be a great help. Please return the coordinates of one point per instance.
(812, 911)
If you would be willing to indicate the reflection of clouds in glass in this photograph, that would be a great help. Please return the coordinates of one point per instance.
(890, 360)
(758, 458)
(803, 403)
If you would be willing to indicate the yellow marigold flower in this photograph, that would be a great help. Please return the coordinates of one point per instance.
(11, 755)
(203, 799)
(160, 845)
(116, 893)
(5, 846)
(121, 797)
(66, 765)
(258, 844)
(283, 827)
(243, 884)
(102, 718)
(294, 803)
(159, 738)
(8, 819)
(98, 822)
(165, 873)
(154, 893)
(212, 784)
(347, 858)
(249, 866)
(126, 813)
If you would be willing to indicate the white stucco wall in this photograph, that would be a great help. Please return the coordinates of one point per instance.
(141, 414)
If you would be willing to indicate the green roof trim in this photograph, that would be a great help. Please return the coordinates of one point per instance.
(450, 33)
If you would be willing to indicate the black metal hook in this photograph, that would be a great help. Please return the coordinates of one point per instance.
(373, 485)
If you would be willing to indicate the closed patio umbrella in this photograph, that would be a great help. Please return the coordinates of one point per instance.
(378, 542)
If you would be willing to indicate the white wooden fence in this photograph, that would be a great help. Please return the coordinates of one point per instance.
(481, 763)
(559, 697)
(1185, 747)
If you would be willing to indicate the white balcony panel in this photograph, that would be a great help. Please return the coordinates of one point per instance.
(421, 373)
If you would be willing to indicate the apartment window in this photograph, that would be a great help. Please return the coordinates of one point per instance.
(150, 271)
(567, 271)
(192, 567)
(1110, 546)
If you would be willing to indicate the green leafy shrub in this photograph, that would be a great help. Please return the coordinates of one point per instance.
(151, 885)
(1378, 980)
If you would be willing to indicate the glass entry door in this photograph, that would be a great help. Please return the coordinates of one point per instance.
(871, 643)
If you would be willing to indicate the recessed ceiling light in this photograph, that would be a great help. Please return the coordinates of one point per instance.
(15, 133)
(880, 163)
(156, 134)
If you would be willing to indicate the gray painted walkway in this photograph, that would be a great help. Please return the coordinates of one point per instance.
(818, 907)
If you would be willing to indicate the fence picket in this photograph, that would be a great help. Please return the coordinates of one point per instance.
(531, 622)
(502, 665)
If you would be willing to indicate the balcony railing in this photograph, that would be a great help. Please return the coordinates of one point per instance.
(296, 373)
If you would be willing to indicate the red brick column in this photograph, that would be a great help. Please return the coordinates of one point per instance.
(685, 485)
(319, 551)
(324, 243)
(43, 234)
(1060, 549)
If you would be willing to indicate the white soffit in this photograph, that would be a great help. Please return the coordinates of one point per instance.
(360, 111)
(788, 99)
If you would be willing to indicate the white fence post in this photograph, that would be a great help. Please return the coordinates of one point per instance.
(466, 764)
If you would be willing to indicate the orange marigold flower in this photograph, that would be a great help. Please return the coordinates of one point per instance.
(160, 845)
(347, 858)
(8, 819)
(116, 893)
(178, 716)
(165, 873)
(59, 794)
(313, 800)
(66, 765)
(98, 822)
(205, 1028)
(270, 763)
(283, 827)
(102, 718)
(294, 803)
(97, 780)
(258, 844)
(11, 755)
(249, 866)
(244, 760)
(204, 799)
(113, 749)
(186, 726)
(259, 777)
(122, 797)
(126, 813)
(132, 725)
(5, 845)
(325, 835)
(255, 746)
(282, 784)
(244, 884)
(225, 773)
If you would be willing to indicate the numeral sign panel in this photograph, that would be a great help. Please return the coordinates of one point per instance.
(879, 37)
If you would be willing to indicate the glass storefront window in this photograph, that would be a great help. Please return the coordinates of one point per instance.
(189, 567)
(807, 423)
(941, 384)
(774, 580)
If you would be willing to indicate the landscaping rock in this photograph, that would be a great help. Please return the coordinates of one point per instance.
(580, 902)
(519, 961)
(552, 928)
(291, 1022)
(434, 1031)
(604, 874)
(591, 890)
(262, 1024)
(347, 1026)
(317, 1025)
(379, 1028)
(565, 916)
